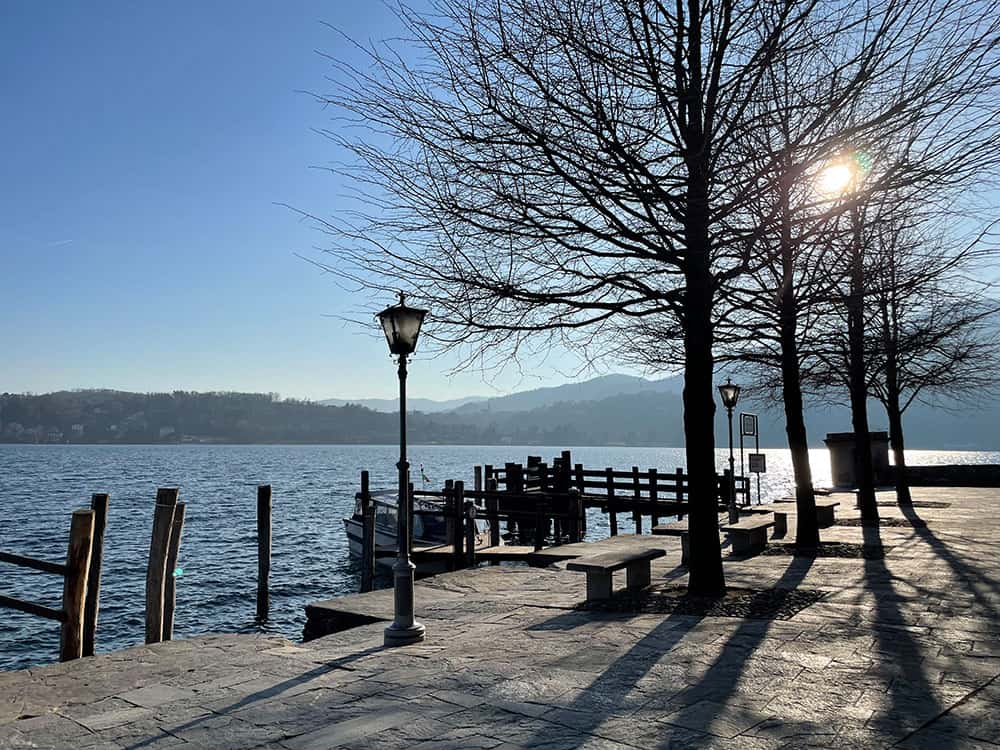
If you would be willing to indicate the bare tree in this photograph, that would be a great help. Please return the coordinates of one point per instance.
(934, 330)
(546, 170)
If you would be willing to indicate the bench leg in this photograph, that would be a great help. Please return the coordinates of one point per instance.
(685, 549)
(637, 575)
(598, 585)
(780, 525)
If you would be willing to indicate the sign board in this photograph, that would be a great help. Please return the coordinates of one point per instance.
(757, 463)
(748, 424)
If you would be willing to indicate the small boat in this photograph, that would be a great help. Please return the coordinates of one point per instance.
(430, 527)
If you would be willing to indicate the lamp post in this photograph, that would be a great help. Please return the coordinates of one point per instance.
(730, 393)
(401, 325)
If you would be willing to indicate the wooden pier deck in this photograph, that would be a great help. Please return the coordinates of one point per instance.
(900, 650)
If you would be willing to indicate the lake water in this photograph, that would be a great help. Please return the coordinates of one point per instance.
(314, 489)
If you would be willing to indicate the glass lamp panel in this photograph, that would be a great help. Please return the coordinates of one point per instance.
(730, 393)
(401, 326)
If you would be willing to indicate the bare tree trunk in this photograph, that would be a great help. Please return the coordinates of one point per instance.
(706, 576)
(896, 440)
(892, 406)
(807, 527)
(858, 384)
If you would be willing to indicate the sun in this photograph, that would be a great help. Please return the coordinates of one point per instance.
(835, 179)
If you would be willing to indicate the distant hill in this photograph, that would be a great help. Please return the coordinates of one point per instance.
(595, 389)
(389, 405)
(647, 413)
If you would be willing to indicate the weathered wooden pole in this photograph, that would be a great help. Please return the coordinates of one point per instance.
(577, 511)
(493, 514)
(171, 571)
(609, 475)
(81, 541)
(455, 506)
(163, 522)
(468, 524)
(654, 517)
(367, 535)
(98, 504)
(679, 489)
(264, 550)
(637, 494)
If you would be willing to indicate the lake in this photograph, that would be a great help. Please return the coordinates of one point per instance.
(314, 489)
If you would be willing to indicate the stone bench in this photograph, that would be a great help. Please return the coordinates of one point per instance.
(599, 570)
(750, 534)
(678, 529)
(825, 512)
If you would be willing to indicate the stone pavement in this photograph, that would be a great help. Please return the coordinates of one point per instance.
(902, 651)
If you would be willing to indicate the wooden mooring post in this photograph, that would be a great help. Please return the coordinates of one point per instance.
(456, 508)
(264, 509)
(81, 541)
(612, 504)
(98, 504)
(367, 536)
(163, 522)
(172, 571)
(637, 495)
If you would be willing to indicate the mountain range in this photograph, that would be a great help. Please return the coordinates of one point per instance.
(630, 410)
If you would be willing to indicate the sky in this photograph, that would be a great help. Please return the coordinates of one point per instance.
(146, 149)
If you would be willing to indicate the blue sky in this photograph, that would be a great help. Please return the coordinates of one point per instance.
(145, 146)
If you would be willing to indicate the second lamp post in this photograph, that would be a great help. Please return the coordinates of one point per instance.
(401, 325)
(730, 393)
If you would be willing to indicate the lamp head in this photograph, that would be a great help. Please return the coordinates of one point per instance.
(730, 393)
(401, 326)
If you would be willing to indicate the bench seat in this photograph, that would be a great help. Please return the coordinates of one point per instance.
(825, 513)
(679, 529)
(750, 534)
(599, 570)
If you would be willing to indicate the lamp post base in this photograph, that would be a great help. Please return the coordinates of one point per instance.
(404, 635)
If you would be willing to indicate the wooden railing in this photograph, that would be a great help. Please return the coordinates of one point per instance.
(81, 575)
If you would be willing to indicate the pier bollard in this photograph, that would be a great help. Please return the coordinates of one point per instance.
(264, 509)
(163, 522)
(81, 541)
(98, 504)
(170, 582)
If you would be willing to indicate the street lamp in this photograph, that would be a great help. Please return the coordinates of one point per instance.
(730, 393)
(401, 325)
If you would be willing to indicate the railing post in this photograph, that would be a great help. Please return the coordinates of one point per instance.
(654, 516)
(170, 580)
(99, 504)
(454, 505)
(637, 494)
(576, 516)
(163, 521)
(609, 474)
(679, 489)
(81, 541)
(470, 533)
(367, 536)
(581, 488)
